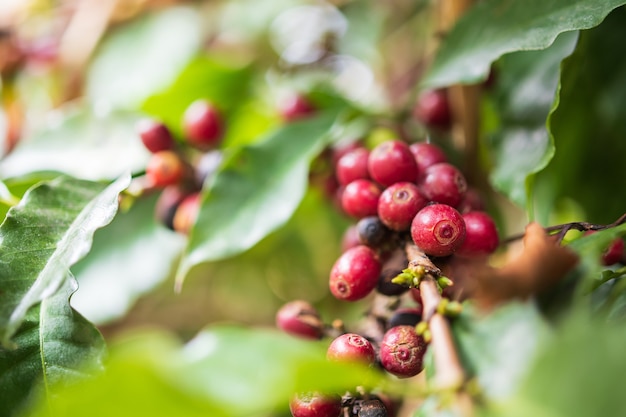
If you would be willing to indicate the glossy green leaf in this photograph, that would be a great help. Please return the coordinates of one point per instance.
(255, 192)
(223, 371)
(497, 348)
(493, 28)
(54, 347)
(40, 238)
(589, 126)
(143, 57)
(524, 94)
(80, 142)
(129, 257)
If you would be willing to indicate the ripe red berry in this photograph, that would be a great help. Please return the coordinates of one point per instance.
(355, 274)
(295, 106)
(443, 183)
(351, 347)
(398, 204)
(300, 318)
(613, 254)
(352, 166)
(360, 198)
(472, 201)
(315, 405)
(427, 154)
(438, 229)
(202, 124)
(165, 168)
(187, 213)
(350, 238)
(392, 161)
(481, 235)
(402, 351)
(155, 135)
(433, 109)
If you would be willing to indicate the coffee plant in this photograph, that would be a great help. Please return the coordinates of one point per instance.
(312, 208)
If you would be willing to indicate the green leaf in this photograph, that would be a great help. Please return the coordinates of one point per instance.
(129, 257)
(496, 349)
(493, 28)
(526, 87)
(223, 371)
(80, 142)
(40, 238)
(589, 126)
(256, 191)
(143, 57)
(55, 346)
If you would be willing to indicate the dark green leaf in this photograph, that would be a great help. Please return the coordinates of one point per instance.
(526, 86)
(81, 143)
(55, 346)
(143, 57)
(493, 28)
(589, 126)
(129, 257)
(255, 192)
(40, 238)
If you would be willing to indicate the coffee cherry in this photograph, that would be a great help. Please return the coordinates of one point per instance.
(352, 166)
(388, 288)
(481, 235)
(443, 183)
(165, 168)
(355, 274)
(155, 135)
(402, 351)
(371, 408)
(408, 316)
(360, 198)
(300, 318)
(438, 229)
(351, 347)
(315, 405)
(427, 154)
(295, 106)
(202, 124)
(398, 204)
(392, 161)
(472, 201)
(372, 232)
(432, 109)
(350, 238)
(187, 213)
(613, 254)
(167, 204)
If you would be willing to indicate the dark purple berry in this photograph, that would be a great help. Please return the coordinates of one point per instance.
(432, 109)
(167, 203)
(300, 318)
(202, 124)
(352, 166)
(372, 232)
(388, 288)
(402, 351)
(355, 274)
(408, 316)
(443, 183)
(438, 230)
(360, 198)
(398, 204)
(481, 235)
(315, 405)
(351, 347)
(371, 408)
(155, 135)
(392, 161)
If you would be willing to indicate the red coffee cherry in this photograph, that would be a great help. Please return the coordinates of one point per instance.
(300, 318)
(443, 183)
(398, 204)
(613, 254)
(355, 274)
(315, 405)
(202, 124)
(187, 213)
(402, 351)
(350, 238)
(427, 154)
(295, 106)
(360, 198)
(165, 168)
(472, 201)
(438, 229)
(154, 135)
(432, 109)
(392, 161)
(352, 166)
(351, 347)
(481, 235)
